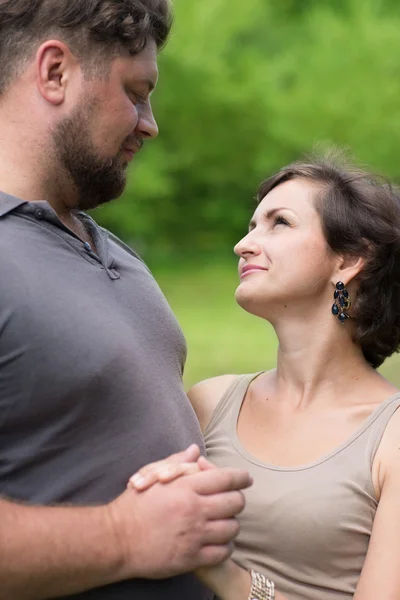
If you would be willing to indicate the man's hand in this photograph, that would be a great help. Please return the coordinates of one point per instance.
(179, 526)
(52, 552)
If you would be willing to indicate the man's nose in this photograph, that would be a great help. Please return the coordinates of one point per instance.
(147, 124)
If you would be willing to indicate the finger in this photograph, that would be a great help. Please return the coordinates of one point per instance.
(217, 481)
(224, 506)
(191, 454)
(221, 532)
(163, 472)
(147, 475)
(151, 467)
(211, 556)
(171, 472)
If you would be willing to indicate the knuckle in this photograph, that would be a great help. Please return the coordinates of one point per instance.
(235, 528)
(241, 501)
(147, 469)
(157, 466)
(235, 502)
(185, 504)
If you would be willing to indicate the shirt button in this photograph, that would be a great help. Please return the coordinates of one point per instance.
(113, 274)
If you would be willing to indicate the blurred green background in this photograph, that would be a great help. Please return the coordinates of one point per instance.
(247, 86)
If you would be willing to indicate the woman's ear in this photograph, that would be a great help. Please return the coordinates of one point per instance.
(350, 265)
(349, 268)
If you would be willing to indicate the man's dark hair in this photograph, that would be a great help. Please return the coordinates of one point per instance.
(95, 30)
(360, 216)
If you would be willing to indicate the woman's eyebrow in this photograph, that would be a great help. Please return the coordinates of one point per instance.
(268, 215)
(273, 211)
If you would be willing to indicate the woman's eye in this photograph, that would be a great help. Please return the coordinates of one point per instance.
(280, 221)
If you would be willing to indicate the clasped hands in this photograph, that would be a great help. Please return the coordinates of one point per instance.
(221, 578)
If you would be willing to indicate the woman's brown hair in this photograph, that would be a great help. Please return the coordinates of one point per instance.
(360, 215)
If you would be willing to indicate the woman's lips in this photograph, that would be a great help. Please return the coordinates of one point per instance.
(248, 269)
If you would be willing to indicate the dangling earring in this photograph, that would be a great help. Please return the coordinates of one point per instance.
(341, 303)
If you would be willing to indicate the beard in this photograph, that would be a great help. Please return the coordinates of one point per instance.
(96, 179)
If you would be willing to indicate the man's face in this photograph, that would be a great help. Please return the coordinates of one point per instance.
(107, 127)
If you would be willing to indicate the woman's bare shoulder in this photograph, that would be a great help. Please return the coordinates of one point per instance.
(205, 395)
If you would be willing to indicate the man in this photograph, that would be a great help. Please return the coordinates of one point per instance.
(91, 357)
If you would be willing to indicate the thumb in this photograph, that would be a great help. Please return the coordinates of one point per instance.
(191, 454)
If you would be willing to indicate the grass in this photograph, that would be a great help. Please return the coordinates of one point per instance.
(223, 338)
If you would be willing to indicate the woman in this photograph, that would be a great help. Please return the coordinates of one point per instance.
(320, 434)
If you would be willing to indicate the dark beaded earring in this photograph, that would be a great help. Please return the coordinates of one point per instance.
(342, 302)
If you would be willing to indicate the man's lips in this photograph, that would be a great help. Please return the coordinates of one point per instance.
(133, 149)
(247, 269)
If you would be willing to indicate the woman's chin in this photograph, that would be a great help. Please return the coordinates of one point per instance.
(251, 304)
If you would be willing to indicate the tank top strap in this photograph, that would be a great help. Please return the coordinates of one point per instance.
(379, 422)
(232, 398)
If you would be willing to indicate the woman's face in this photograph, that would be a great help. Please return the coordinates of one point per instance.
(285, 263)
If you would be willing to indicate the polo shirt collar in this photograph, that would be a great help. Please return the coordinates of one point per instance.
(9, 203)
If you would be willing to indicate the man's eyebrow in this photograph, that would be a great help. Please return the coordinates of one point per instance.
(149, 83)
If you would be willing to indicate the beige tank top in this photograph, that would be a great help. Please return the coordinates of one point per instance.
(307, 527)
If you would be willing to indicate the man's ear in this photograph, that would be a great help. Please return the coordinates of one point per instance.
(54, 66)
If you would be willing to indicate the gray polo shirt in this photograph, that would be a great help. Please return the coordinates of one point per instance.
(91, 361)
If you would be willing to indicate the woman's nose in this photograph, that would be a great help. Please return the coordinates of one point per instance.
(248, 246)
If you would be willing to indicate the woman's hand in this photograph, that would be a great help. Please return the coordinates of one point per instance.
(165, 471)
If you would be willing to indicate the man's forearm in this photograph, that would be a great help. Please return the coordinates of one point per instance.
(48, 552)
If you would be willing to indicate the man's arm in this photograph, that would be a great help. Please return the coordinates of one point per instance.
(48, 552)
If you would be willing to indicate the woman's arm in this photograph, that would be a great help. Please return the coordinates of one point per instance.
(205, 396)
(380, 576)
(229, 581)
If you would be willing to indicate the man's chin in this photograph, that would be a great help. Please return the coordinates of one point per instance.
(90, 203)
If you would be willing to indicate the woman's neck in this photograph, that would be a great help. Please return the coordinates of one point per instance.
(317, 360)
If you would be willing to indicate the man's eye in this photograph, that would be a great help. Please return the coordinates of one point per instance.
(281, 221)
(135, 97)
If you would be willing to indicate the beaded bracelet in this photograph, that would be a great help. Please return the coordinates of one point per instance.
(261, 587)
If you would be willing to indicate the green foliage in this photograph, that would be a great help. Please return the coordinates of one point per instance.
(245, 88)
